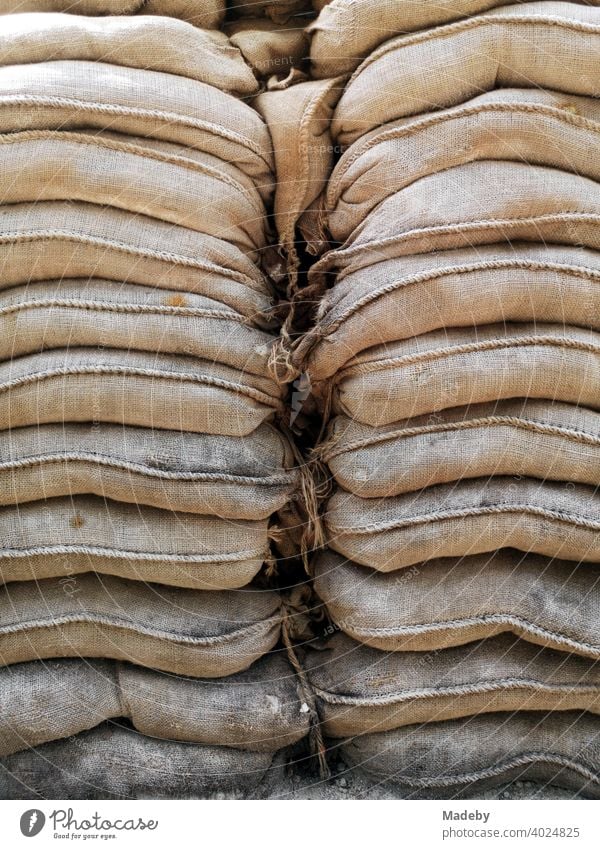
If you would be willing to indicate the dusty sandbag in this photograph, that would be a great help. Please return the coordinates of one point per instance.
(279, 11)
(155, 44)
(77, 533)
(524, 125)
(49, 166)
(469, 517)
(208, 15)
(269, 48)
(58, 240)
(135, 388)
(456, 209)
(73, 95)
(456, 367)
(223, 476)
(258, 709)
(371, 304)
(90, 313)
(361, 690)
(111, 762)
(461, 757)
(441, 67)
(80, 7)
(200, 634)
(348, 30)
(536, 439)
(299, 121)
(449, 602)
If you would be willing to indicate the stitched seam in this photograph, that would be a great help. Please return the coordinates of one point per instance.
(115, 553)
(105, 306)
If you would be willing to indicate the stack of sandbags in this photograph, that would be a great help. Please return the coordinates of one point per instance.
(208, 14)
(457, 348)
(141, 452)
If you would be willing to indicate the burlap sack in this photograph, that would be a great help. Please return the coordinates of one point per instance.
(299, 121)
(91, 313)
(449, 602)
(156, 44)
(441, 67)
(177, 471)
(348, 30)
(134, 388)
(118, 763)
(361, 690)
(208, 14)
(535, 439)
(257, 710)
(61, 240)
(48, 166)
(269, 48)
(73, 95)
(279, 11)
(524, 125)
(456, 209)
(203, 635)
(462, 757)
(408, 296)
(470, 517)
(78, 533)
(452, 368)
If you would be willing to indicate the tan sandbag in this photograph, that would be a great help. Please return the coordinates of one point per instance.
(461, 758)
(208, 13)
(49, 166)
(155, 44)
(88, 313)
(80, 7)
(470, 517)
(269, 48)
(535, 439)
(403, 297)
(453, 368)
(524, 125)
(299, 121)
(93, 95)
(174, 470)
(58, 240)
(456, 209)
(134, 388)
(361, 690)
(548, 45)
(348, 30)
(48, 701)
(203, 635)
(78, 533)
(115, 762)
(449, 602)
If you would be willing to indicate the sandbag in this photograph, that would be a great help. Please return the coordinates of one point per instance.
(403, 297)
(202, 635)
(174, 470)
(441, 67)
(72, 95)
(269, 48)
(361, 690)
(111, 762)
(470, 517)
(536, 439)
(49, 166)
(61, 240)
(134, 388)
(521, 125)
(462, 757)
(453, 368)
(348, 30)
(205, 14)
(155, 44)
(299, 120)
(456, 209)
(92, 312)
(449, 602)
(77, 533)
(208, 14)
(256, 710)
(279, 11)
